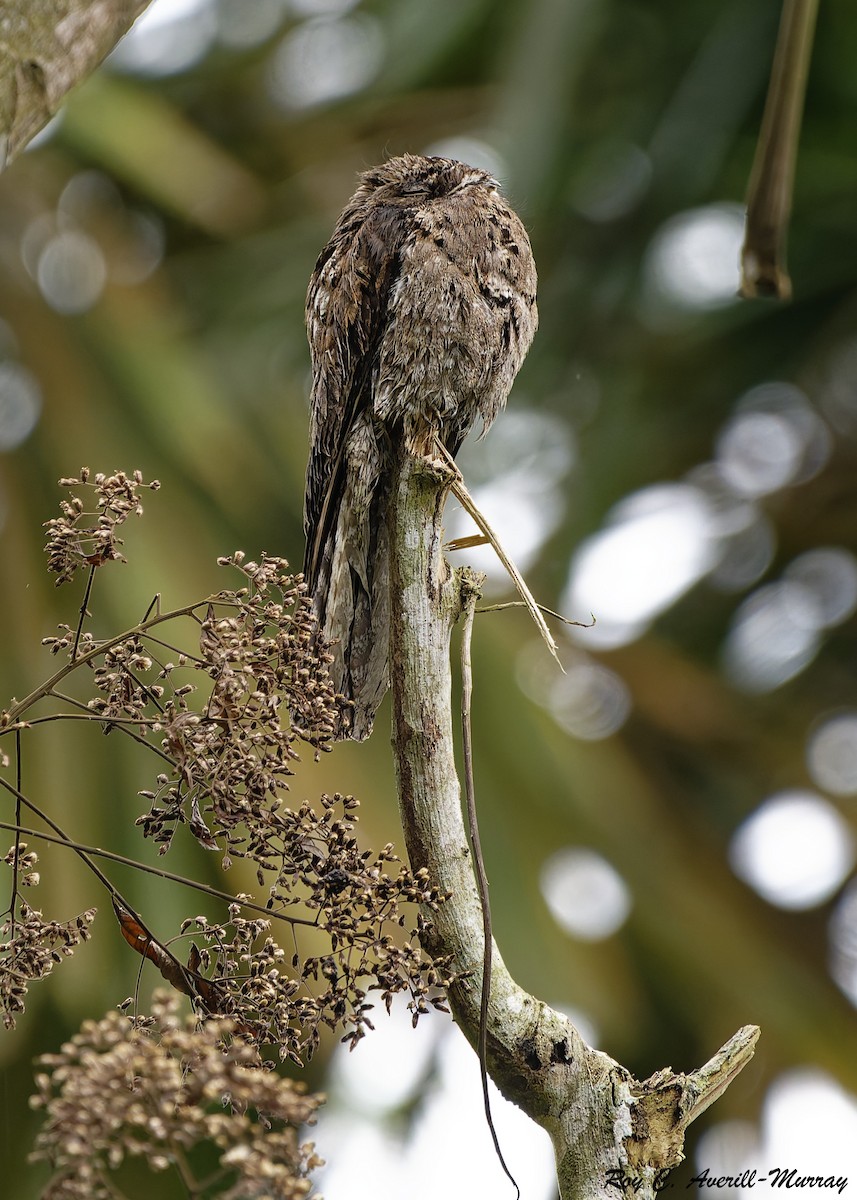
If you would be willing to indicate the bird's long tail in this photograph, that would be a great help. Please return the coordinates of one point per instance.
(352, 599)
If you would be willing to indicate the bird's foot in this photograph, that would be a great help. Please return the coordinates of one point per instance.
(437, 468)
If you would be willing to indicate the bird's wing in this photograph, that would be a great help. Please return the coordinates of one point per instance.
(347, 313)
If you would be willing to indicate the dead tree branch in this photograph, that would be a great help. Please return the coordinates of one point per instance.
(609, 1130)
(47, 47)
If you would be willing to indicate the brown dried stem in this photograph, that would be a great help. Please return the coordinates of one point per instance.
(769, 198)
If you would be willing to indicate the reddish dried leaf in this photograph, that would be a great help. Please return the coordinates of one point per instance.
(186, 980)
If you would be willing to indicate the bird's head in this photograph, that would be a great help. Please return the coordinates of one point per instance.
(414, 176)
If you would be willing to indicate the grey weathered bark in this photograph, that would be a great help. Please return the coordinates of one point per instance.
(612, 1134)
(47, 47)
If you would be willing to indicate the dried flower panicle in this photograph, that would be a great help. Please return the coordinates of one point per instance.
(223, 711)
(30, 946)
(221, 716)
(82, 537)
(24, 862)
(284, 1000)
(158, 1088)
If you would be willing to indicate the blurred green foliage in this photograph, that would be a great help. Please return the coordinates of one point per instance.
(194, 369)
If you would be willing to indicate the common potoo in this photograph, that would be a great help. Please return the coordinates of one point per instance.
(420, 311)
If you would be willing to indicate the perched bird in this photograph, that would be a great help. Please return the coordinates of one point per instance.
(420, 311)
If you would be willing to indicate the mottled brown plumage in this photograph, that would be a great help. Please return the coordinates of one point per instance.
(420, 311)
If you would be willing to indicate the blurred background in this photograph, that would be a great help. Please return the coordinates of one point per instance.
(669, 826)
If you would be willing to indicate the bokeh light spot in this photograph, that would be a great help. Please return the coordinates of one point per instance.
(241, 26)
(795, 850)
(527, 448)
(170, 37)
(88, 193)
(776, 632)
(725, 1149)
(590, 701)
(369, 1155)
(324, 59)
(20, 404)
(319, 8)
(843, 942)
(692, 261)
(587, 700)
(515, 476)
(746, 538)
(774, 439)
(745, 556)
(657, 544)
(526, 519)
(141, 251)
(759, 452)
(831, 754)
(132, 241)
(384, 1074)
(35, 237)
(585, 894)
(809, 1109)
(71, 272)
(828, 577)
(471, 150)
(772, 638)
(808, 1127)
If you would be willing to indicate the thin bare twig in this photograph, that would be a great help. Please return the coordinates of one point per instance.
(13, 900)
(84, 854)
(468, 609)
(83, 850)
(123, 724)
(549, 612)
(48, 686)
(84, 607)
